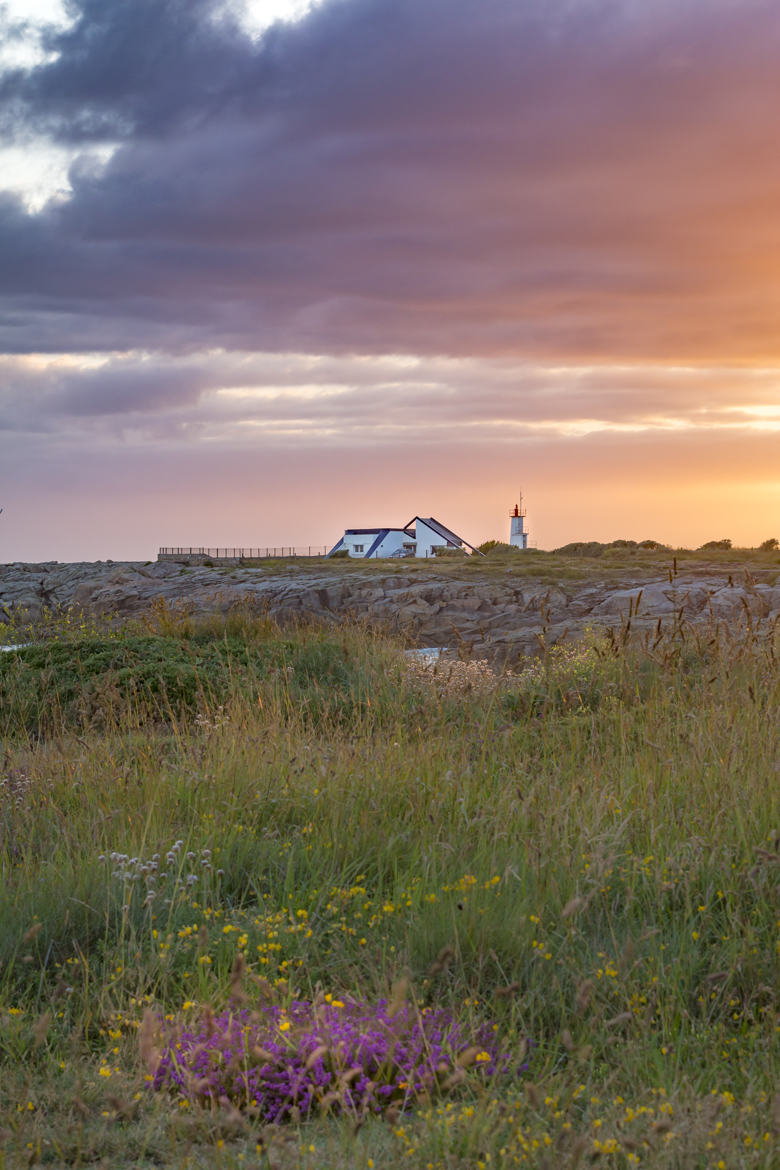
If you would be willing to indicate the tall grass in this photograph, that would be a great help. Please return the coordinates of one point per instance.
(583, 855)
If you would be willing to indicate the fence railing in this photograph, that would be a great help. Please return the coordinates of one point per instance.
(249, 554)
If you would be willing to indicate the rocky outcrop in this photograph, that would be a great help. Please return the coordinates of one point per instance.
(498, 615)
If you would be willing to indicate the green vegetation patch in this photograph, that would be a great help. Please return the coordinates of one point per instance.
(537, 914)
(135, 678)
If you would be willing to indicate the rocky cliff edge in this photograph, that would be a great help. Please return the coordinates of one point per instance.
(495, 614)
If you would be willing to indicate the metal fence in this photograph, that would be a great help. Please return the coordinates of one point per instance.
(249, 554)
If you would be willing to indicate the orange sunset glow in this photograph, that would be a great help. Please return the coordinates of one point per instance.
(334, 264)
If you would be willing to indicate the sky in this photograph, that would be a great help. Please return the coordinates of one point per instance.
(269, 270)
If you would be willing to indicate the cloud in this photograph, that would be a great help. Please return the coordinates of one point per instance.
(582, 182)
(390, 259)
(90, 501)
(118, 70)
(232, 401)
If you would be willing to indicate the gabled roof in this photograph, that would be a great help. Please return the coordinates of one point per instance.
(379, 535)
(445, 533)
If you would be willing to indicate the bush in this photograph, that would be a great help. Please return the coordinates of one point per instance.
(102, 682)
(581, 548)
(496, 546)
(50, 686)
(715, 544)
(770, 545)
(595, 548)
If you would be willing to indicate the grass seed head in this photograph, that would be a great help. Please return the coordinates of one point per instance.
(584, 993)
(509, 990)
(442, 960)
(149, 1040)
(40, 1029)
(319, 1053)
(398, 996)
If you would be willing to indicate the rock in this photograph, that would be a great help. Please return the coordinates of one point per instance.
(499, 617)
(84, 593)
(732, 602)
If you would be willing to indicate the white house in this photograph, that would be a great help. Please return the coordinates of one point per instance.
(376, 542)
(421, 537)
(431, 537)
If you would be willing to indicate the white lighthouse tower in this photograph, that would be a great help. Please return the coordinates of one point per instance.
(518, 537)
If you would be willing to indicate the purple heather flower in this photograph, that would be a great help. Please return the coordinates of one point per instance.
(348, 1055)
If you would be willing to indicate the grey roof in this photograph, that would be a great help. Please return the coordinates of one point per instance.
(445, 533)
(370, 531)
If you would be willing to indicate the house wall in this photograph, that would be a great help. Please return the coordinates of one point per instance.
(357, 544)
(427, 540)
(394, 541)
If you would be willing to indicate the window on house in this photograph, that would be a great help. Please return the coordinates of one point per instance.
(359, 547)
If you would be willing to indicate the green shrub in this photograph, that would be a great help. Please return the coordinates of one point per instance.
(100, 682)
(496, 547)
(582, 548)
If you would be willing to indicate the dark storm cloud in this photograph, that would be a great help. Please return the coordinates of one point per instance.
(584, 179)
(126, 68)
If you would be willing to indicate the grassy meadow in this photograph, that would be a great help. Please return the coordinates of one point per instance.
(204, 823)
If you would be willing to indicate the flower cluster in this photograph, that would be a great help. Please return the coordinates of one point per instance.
(285, 1063)
(454, 678)
(213, 722)
(177, 870)
(15, 788)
